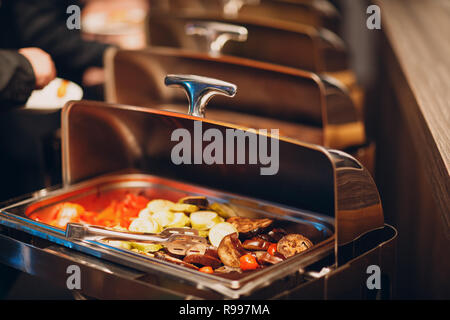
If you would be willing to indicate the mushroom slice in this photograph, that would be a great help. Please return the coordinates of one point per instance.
(203, 259)
(256, 244)
(249, 228)
(166, 257)
(276, 234)
(227, 269)
(292, 244)
(199, 201)
(222, 210)
(230, 250)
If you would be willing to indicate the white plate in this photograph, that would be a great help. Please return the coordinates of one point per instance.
(47, 98)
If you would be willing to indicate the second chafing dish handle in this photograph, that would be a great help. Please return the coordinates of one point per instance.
(217, 34)
(231, 7)
(200, 90)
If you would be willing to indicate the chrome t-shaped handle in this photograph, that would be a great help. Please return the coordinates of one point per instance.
(217, 34)
(200, 90)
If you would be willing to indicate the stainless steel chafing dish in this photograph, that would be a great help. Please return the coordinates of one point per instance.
(294, 45)
(317, 13)
(301, 104)
(325, 194)
(298, 46)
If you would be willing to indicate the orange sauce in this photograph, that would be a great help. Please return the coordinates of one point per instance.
(62, 90)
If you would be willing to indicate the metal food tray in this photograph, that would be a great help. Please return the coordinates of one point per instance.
(316, 227)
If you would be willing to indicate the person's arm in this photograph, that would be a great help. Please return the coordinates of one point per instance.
(21, 72)
(42, 23)
(17, 79)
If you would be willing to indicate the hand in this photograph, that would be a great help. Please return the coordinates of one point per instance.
(42, 64)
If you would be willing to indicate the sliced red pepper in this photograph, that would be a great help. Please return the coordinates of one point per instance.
(248, 262)
(107, 217)
(88, 217)
(272, 249)
(206, 269)
(116, 213)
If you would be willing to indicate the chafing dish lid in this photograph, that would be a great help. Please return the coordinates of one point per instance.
(100, 138)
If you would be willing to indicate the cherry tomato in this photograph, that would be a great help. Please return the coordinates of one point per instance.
(272, 249)
(248, 262)
(207, 269)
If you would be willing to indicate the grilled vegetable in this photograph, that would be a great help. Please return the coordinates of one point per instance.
(65, 213)
(120, 212)
(230, 250)
(159, 205)
(248, 262)
(203, 233)
(265, 244)
(164, 218)
(227, 269)
(120, 244)
(206, 269)
(179, 220)
(146, 247)
(292, 244)
(249, 228)
(145, 213)
(200, 202)
(256, 244)
(204, 220)
(163, 256)
(212, 252)
(202, 259)
(184, 207)
(276, 234)
(145, 224)
(219, 231)
(222, 210)
(264, 257)
(272, 249)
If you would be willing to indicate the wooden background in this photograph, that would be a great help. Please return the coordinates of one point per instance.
(411, 123)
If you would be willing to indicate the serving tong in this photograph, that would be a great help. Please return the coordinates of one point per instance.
(178, 241)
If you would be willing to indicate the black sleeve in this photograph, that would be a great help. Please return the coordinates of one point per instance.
(42, 23)
(17, 79)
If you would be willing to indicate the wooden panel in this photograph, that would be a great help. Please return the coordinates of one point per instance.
(412, 134)
(408, 198)
(417, 32)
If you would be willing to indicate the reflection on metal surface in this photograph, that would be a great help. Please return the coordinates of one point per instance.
(359, 207)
